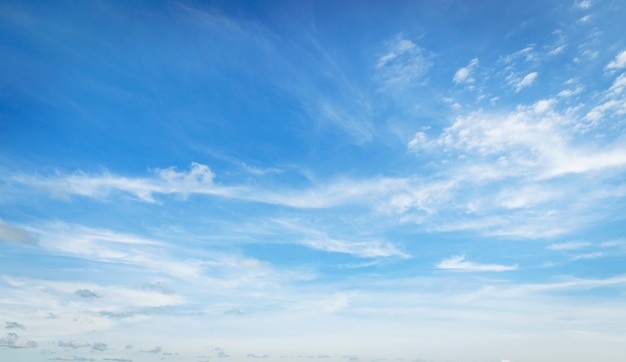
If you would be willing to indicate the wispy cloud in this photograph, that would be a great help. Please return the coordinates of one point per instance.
(321, 241)
(111, 247)
(570, 245)
(526, 81)
(587, 256)
(458, 263)
(403, 64)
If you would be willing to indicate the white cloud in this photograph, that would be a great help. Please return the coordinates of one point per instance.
(419, 141)
(199, 179)
(111, 247)
(460, 264)
(527, 54)
(464, 75)
(570, 245)
(534, 140)
(613, 104)
(619, 61)
(586, 256)
(365, 249)
(528, 80)
(618, 85)
(558, 50)
(584, 4)
(403, 64)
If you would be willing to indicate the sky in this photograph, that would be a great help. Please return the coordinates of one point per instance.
(340, 181)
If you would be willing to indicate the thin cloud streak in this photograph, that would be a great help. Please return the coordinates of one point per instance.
(458, 263)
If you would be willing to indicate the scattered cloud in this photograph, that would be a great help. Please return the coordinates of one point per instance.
(464, 75)
(528, 80)
(257, 355)
(527, 54)
(557, 50)
(459, 263)
(14, 325)
(12, 340)
(156, 349)
(73, 344)
(86, 293)
(99, 346)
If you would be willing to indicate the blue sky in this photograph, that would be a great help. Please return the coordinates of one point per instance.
(284, 181)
